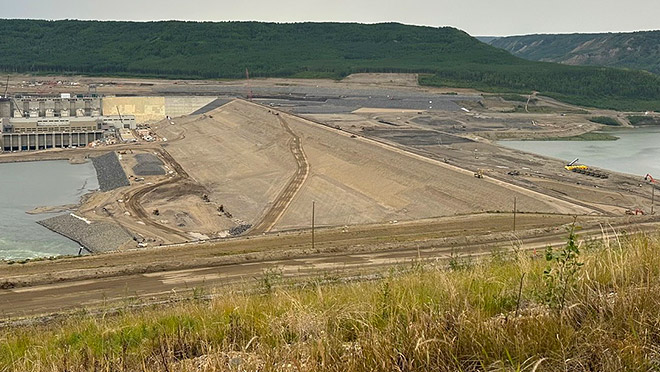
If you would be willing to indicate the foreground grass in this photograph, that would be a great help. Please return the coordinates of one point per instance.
(456, 316)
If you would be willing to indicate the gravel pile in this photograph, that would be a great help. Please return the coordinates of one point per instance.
(148, 165)
(110, 173)
(238, 230)
(96, 237)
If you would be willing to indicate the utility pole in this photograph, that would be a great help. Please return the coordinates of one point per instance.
(652, 196)
(652, 181)
(247, 78)
(313, 207)
(515, 210)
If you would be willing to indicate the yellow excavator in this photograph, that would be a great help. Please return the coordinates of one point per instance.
(570, 166)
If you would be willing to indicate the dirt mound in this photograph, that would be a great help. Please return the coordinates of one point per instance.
(148, 165)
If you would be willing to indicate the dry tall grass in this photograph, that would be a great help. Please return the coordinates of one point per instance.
(469, 316)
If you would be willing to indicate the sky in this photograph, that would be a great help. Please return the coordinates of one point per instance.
(477, 17)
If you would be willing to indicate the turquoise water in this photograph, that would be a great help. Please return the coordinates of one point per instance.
(25, 186)
(637, 151)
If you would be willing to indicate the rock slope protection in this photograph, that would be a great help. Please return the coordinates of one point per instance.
(636, 50)
(110, 173)
(94, 236)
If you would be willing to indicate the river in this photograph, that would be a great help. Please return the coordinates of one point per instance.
(636, 152)
(25, 186)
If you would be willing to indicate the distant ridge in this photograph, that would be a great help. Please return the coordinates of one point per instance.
(442, 56)
(636, 50)
(487, 39)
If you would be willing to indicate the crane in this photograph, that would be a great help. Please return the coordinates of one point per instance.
(121, 120)
(7, 87)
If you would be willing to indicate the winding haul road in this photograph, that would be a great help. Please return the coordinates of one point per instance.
(133, 198)
(284, 199)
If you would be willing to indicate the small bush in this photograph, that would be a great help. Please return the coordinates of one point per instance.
(605, 120)
(514, 97)
(643, 120)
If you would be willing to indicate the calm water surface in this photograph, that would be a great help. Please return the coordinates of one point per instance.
(25, 186)
(637, 151)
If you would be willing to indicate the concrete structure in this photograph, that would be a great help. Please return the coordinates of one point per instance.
(34, 107)
(36, 123)
(24, 134)
(153, 109)
(180, 106)
(5, 107)
(119, 122)
(145, 109)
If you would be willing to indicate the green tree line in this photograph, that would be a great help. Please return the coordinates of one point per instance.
(173, 49)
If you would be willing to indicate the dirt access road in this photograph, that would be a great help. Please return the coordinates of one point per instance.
(134, 197)
(282, 202)
(99, 281)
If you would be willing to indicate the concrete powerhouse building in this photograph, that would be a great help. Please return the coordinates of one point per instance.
(41, 123)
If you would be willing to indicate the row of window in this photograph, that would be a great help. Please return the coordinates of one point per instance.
(53, 129)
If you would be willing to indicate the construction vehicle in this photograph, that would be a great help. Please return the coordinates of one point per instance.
(571, 166)
(634, 212)
(583, 169)
(649, 178)
(479, 173)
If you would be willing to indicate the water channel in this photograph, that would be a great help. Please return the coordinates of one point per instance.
(25, 186)
(636, 152)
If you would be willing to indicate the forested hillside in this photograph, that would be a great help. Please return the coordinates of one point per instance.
(447, 56)
(636, 50)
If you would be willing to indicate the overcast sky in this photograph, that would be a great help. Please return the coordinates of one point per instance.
(477, 17)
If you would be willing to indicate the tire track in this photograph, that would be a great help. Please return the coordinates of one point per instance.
(284, 199)
(133, 197)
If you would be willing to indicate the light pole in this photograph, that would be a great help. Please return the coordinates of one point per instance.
(652, 196)
(515, 210)
(313, 207)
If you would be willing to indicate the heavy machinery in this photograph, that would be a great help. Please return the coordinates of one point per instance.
(571, 166)
(583, 169)
(649, 178)
(479, 173)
